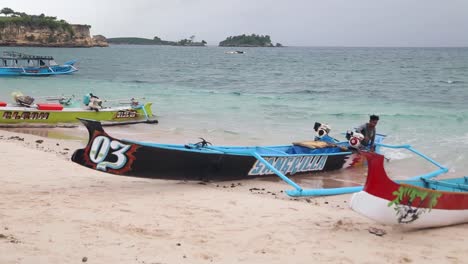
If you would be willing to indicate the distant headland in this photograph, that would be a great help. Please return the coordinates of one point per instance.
(156, 41)
(236, 41)
(21, 29)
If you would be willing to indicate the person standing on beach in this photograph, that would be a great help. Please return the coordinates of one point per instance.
(368, 131)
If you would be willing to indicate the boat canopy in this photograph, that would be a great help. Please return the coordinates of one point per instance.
(22, 56)
(16, 59)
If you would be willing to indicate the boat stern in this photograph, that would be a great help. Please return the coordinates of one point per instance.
(148, 110)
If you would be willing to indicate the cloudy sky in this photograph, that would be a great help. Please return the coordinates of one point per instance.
(290, 22)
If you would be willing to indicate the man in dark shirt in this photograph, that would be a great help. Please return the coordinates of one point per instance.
(368, 130)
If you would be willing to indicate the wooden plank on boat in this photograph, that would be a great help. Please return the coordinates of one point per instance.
(313, 144)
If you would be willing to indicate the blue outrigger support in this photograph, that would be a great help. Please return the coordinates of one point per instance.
(298, 192)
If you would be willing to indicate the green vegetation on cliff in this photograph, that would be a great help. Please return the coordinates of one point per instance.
(248, 41)
(22, 19)
(156, 41)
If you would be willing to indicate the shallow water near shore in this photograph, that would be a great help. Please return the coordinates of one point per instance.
(270, 96)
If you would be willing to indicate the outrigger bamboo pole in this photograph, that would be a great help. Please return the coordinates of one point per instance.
(299, 191)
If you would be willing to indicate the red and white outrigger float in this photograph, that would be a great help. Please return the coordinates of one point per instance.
(419, 203)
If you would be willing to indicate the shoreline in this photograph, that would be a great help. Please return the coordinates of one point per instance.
(56, 211)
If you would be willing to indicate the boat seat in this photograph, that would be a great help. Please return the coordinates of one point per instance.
(314, 144)
(315, 147)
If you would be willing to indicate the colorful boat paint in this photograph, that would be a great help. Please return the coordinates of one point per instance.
(419, 203)
(19, 64)
(201, 161)
(55, 115)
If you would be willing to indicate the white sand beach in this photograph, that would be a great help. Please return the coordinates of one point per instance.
(55, 211)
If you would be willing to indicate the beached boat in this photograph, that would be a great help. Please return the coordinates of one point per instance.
(418, 203)
(202, 161)
(19, 64)
(54, 114)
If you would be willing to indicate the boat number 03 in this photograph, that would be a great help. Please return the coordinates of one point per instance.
(100, 150)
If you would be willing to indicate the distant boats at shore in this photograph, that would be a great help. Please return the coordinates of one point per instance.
(64, 111)
(19, 64)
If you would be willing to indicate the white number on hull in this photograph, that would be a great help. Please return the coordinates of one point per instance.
(100, 149)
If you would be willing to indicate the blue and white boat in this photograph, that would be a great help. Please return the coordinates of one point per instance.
(19, 64)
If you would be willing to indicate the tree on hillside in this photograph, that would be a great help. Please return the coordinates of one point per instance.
(19, 14)
(183, 42)
(7, 11)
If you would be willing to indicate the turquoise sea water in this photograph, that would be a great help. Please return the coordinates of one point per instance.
(274, 95)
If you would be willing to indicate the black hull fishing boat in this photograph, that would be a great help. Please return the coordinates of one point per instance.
(202, 161)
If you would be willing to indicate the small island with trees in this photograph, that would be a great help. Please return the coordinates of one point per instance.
(248, 41)
(156, 41)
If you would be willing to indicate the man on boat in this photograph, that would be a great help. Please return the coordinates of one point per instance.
(368, 131)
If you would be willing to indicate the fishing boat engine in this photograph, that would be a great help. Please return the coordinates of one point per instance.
(354, 139)
(23, 100)
(321, 129)
(93, 102)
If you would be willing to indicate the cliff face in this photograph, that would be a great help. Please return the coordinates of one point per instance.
(13, 35)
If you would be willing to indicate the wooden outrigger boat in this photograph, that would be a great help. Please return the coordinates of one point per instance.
(26, 114)
(418, 203)
(202, 161)
(19, 64)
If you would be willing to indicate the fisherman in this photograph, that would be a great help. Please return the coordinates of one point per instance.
(368, 131)
(134, 102)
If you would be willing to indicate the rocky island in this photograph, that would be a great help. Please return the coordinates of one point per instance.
(156, 41)
(248, 41)
(21, 29)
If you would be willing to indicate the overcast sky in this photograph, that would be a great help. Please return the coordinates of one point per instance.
(290, 22)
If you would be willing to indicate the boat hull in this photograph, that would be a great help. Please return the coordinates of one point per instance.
(34, 116)
(378, 209)
(37, 71)
(412, 204)
(190, 162)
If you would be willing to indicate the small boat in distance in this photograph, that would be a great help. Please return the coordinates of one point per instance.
(19, 64)
(235, 52)
(418, 203)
